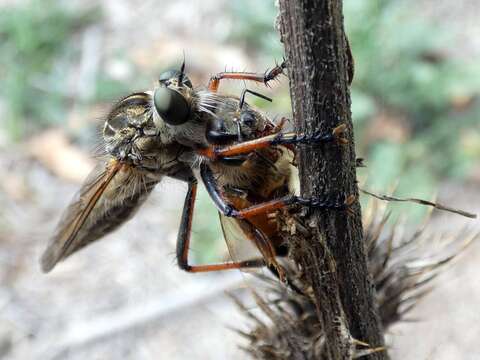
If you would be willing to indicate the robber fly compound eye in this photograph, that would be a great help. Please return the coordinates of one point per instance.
(171, 106)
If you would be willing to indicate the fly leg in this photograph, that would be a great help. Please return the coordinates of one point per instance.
(183, 241)
(264, 78)
(315, 202)
(250, 231)
(290, 138)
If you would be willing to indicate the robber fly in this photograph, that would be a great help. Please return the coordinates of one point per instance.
(187, 134)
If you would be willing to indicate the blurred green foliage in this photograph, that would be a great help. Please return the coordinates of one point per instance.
(402, 66)
(253, 27)
(34, 47)
(206, 246)
(404, 69)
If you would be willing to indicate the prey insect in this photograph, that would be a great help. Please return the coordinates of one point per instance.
(190, 134)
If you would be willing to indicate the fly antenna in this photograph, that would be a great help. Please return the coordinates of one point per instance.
(245, 91)
(182, 71)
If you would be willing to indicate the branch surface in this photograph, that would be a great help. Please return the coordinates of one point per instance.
(334, 258)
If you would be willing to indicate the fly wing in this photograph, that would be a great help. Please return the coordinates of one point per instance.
(240, 246)
(108, 198)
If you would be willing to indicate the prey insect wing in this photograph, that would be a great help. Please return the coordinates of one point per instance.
(102, 204)
(240, 246)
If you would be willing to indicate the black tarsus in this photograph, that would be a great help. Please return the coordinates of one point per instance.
(320, 202)
(315, 138)
(275, 72)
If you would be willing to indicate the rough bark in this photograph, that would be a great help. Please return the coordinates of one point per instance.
(334, 259)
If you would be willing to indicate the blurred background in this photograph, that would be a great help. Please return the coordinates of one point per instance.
(416, 108)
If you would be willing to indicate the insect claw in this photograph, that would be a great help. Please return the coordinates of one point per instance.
(350, 200)
(339, 134)
(342, 141)
(348, 203)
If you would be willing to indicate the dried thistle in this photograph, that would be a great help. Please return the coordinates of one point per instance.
(402, 266)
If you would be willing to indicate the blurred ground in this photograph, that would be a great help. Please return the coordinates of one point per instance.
(124, 297)
(132, 273)
(446, 323)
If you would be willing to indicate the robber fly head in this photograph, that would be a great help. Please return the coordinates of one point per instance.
(177, 102)
(181, 109)
(171, 97)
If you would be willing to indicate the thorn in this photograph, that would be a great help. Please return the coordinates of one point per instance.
(365, 352)
(359, 342)
(359, 162)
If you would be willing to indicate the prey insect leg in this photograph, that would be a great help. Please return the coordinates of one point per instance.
(264, 78)
(183, 241)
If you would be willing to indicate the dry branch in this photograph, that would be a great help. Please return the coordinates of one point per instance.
(334, 258)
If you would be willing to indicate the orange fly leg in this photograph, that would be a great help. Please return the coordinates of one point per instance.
(286, 139)
(264, 208)
(247, 264)
(215, 152)
(183, 241)
(264, 78)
